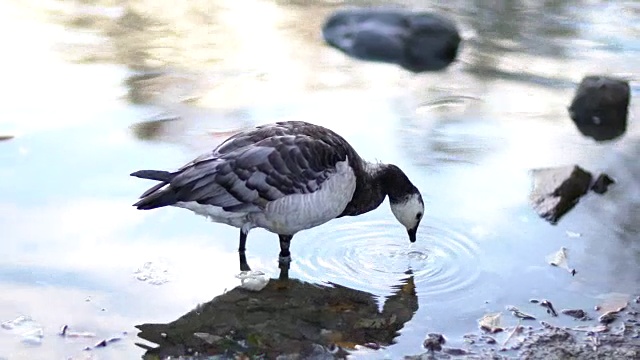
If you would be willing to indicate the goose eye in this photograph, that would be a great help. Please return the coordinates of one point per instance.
(419, 216)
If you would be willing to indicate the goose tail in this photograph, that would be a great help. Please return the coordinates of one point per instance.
(155, 197)
(158, 175)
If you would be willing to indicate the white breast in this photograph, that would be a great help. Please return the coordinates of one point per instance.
(215, 213)
(293, 213)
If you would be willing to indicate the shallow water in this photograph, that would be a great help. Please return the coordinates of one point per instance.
(73, 248)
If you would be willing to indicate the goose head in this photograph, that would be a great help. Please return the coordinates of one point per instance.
(409, 211)
(405, 200)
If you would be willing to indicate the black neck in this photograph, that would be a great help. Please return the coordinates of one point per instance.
(374, 182)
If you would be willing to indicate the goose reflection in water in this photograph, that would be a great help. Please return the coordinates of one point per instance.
(288, 316)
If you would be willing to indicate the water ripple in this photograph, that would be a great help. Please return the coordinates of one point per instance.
(371, 255)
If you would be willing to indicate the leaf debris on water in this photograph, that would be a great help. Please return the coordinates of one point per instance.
(559, 259)
(614, 302)
(519, 314)
(66, 332)
(491, 323)
(573, 234)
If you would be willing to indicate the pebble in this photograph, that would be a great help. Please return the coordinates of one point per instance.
(547, 304)
(434, 342)
(102, 343)
(576, 313)
(489, 340)
(608, 318)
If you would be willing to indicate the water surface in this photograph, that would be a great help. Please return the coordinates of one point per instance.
(96, 90)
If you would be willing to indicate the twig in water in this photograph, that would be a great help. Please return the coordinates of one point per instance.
(512, 333)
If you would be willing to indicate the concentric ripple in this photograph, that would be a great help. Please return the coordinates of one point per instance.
(373, 255)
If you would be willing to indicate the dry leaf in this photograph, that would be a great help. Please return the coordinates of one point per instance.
(613, 303)
(491, 323)
(559, 259)
(519, 314)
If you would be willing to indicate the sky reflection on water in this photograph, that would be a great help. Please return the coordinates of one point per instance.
(69, 233)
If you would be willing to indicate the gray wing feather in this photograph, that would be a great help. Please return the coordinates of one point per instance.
(246, 179)
(253, 168)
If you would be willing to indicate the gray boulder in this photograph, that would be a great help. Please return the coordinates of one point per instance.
(417, 41)
(557, 190)
(600, 106)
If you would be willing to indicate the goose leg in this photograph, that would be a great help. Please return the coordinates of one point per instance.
(284, 271)
(285, 256)
(285, 241)
(244, 266)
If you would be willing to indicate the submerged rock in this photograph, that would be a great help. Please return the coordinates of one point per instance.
(549, 306)
(434, 342)
(601, 185)
(416, 41)
(608, 317)
(600, 106)
(575, 313)
(557, 190)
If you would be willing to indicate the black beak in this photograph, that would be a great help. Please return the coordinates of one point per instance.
(412, 234)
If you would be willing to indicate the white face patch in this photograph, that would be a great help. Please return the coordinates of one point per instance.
(409, 213)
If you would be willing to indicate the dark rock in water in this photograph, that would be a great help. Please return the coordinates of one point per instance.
(557, 190)
(102, 343)
(608, 317)
(601, 185)
(549, 306)
(287, 317)
(416, 41)
(600, 106)
(434, 342)
(575, 313)
(488, 339)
